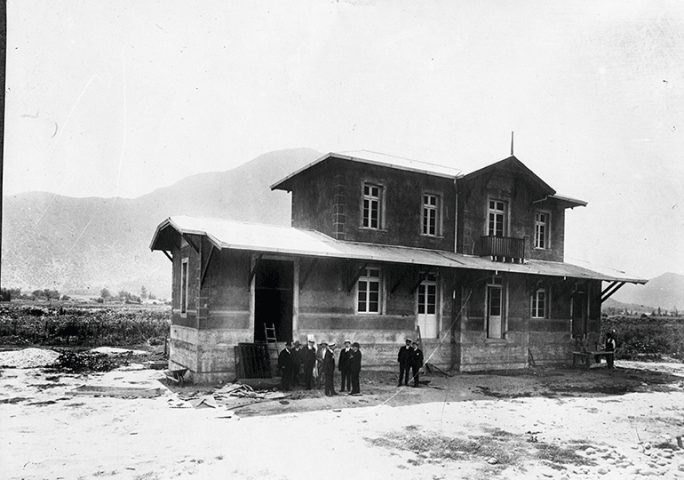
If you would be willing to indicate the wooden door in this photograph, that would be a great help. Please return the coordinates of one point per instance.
(427, 307)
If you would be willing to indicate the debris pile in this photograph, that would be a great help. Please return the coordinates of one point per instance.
(28, 358)
(240, 390)
(85, 362)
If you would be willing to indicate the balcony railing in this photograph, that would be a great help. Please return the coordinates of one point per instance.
(503, 249)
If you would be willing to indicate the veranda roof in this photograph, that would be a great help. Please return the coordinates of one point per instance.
(276, 239)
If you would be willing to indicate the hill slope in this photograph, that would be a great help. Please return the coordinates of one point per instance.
(665, 291)
(80, 243)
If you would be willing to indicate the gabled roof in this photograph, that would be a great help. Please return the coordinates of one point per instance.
(374, 158)
(512, 162)
(299, 242)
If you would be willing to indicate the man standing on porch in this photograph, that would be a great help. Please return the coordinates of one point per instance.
(403, 358)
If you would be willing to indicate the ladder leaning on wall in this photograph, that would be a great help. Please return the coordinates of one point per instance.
(272, 345)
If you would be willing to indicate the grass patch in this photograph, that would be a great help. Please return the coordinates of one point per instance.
(499, 449)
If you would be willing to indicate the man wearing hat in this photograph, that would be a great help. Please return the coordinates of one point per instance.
(343, 367)
(355, 368)
(404, 358)
(296, 362)
(329, 369)
(320, 355)
(308, 359)
(285, 366)
(416, 362)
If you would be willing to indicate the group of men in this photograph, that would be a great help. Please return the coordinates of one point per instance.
(311, 364)
(410, 358)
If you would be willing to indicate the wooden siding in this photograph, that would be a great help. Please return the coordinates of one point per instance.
(519, 196)
(332, 189)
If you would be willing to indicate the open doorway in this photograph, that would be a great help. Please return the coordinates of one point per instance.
(273, 295)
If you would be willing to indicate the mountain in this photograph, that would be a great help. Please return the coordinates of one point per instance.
(665, 291)
(84, 244)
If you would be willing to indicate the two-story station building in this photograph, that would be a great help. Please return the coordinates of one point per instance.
(382, 248)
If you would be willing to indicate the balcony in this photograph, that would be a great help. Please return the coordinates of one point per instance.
(502, 249)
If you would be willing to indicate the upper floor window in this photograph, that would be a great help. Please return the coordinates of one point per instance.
(184, 286)
(372, 206)
(431, 214)
(539, 303)
(369, 291)
(496, 218)
(541, 230)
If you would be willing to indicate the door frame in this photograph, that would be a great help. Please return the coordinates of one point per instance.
(295, 289)
(429, 278)
(496, 282)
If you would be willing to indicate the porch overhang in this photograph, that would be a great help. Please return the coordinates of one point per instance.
(275, 239)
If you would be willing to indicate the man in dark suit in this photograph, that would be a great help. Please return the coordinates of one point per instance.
(308, 358)
(285, 366)
(403, 359)
(416, 362)
(343, 367)
(355, 368)
(329, 369)
(296, 362)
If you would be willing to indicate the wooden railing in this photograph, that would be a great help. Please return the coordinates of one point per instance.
(502, 248)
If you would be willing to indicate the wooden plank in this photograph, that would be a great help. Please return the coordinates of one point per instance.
(191, 242)
(252, 272)
(205, 268)
(308, 271)
(356, 277)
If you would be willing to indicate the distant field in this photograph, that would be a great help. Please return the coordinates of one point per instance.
(646, 337)
(67, 324)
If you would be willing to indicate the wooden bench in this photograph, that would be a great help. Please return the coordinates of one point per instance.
(586, 359)
(177, 376)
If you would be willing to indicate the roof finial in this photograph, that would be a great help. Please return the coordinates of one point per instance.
(512, 133)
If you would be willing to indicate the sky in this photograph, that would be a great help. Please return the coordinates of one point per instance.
(117, 98)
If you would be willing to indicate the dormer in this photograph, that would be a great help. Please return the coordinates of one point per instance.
(508, 213)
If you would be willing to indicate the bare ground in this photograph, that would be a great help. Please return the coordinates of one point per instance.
(534, 424)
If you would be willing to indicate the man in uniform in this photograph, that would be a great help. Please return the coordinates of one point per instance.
(355, 368)
(416, 362)
(403, 359)
(343, 367)
(285, 367)
(329, 369)
(308, 359)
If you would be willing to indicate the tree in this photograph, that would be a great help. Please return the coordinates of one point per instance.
(105, 294)
(143, 292)
(50, 294)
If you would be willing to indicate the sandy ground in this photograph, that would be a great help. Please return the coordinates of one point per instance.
(571, 424)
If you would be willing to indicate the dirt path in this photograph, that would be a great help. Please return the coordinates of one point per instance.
(557, 424)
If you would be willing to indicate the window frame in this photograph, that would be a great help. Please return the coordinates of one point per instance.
(367, 278)
(534, 304)
(436, 208)
(184, 283)
(379, 200)
(428, 279)
(547, 230)
(504, 212)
